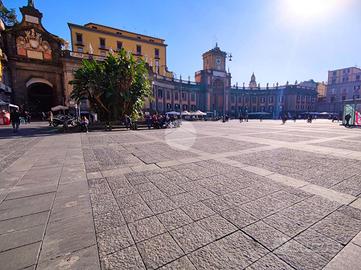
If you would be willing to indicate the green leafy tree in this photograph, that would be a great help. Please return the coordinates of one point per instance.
(8, 16)
(114, 87)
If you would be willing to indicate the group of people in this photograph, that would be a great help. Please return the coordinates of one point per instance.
(158, 120)
(17, 117)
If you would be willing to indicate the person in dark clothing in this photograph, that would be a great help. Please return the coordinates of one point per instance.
(15, 120)
(348, 118)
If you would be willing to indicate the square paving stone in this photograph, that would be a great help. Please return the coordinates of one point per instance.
(216, 226)
(319, 243)
(114, 239)
(137, 212)
(20, 223)
(83, 259)
(127, 258)
(19, 258)
(300, 257)
(174, 219)
(152, 195)
(269, 262)
(197, 210)
(266, 235)
(161, 206)
(338, 227)
(25, 206)
(146, 228)
(159, 251)
(182, 263)
(235, 251)
(192, 236)
(183, 199)
(108, 220)
(21, 238)
(68, 235)
(239, 217)
(129, 201)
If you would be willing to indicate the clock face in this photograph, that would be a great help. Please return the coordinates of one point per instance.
(218, 61)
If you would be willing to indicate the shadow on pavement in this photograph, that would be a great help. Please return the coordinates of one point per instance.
(36, 129)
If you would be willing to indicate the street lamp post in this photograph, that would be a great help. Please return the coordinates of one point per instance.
(229, 55)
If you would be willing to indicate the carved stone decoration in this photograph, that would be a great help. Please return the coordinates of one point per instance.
(32, 45)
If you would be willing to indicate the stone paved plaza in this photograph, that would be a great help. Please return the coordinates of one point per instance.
(209, 195)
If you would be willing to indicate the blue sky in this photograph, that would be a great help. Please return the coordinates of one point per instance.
(279, 40)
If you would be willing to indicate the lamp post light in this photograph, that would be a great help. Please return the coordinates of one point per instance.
(229, 58)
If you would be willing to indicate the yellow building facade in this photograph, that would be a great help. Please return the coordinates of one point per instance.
(98, 39)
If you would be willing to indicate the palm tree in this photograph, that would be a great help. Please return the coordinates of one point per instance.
(114, 87)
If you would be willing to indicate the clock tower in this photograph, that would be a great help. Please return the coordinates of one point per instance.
(214, 59)
(216, 81)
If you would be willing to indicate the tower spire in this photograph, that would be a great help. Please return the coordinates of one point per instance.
(30, 3)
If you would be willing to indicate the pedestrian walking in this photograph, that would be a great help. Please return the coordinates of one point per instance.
(84, 123)
(128, 121)
(348, 118)
(15, 120)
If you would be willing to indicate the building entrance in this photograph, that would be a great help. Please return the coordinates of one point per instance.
(40, 97)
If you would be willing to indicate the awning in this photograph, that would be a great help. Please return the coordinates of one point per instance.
(59, 108)
(173, 113)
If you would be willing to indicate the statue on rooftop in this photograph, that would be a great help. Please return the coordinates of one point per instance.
(30, 3)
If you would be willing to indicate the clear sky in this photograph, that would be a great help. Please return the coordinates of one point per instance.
(279, 40)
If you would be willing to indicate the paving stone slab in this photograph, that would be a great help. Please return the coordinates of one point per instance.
(86, 258)
(127, 258)
(266, 235)
(235, 251)
(21, 257)
(146, 228)
(68, 235)
(159, 251)
(174, 219)
(300, 257)
(114, 239)
(21, 238)
(21, 223)
(270, 262)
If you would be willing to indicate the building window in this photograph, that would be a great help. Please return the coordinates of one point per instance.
(254, 99)
(233, 98)
(239, 99)
(176, 95)
(80, 49)
(298, 98)
(358, 77)
(139, 50)
(119, 45)
(79, 38)
(102, 43)
(270, 108)
(168, 95)
(193, 97)
(270, 99)
(160, 93)
(185, 107)
(263, 100)
(156, 53)
(184, 96)
(343, 97)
